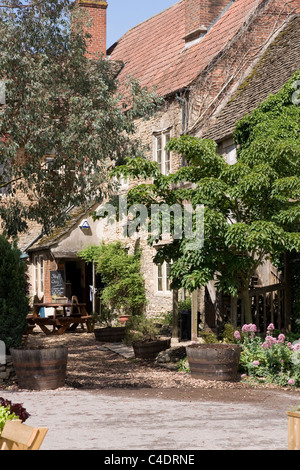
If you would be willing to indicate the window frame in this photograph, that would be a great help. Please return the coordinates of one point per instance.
(39, 275)
(162, 281)
(165, 159)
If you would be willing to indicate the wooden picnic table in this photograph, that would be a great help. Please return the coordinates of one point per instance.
(73, 314)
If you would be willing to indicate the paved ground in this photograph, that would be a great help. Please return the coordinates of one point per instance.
(112, 402)
(126, 420)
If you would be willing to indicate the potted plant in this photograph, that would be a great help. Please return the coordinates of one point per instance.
(108, 330)
(143, 335)
(214, 361)
(35, 368)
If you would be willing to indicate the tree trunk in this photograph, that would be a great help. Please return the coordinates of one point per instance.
(175, 333)
(287, 292)
(246, 305)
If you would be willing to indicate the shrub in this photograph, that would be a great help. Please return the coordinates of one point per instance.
(124, 285)
(140, 328)
(273, 359)
(13, 295)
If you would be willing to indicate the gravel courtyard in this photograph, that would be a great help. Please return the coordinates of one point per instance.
(122, 404)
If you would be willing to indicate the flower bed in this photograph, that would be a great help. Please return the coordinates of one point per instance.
(271, 360)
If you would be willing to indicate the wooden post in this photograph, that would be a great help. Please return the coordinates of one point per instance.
(202, 305)
(175, 315)
(294, 430)
(94, 289)
(194, 315)
(287, 293)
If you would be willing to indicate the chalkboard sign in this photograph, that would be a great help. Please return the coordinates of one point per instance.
(57, 279)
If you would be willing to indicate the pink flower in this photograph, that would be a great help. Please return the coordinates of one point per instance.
(271, 327)
(255, 363)
(249, 329)
(281, 338)
(291, 382)
(237, 335)
(269, 341)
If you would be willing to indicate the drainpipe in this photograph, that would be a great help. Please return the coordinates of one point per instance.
(182, 101)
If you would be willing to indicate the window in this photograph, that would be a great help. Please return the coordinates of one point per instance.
(163, 277)
(230, 154)
(162, 156)
(123, 181)
(38, 266)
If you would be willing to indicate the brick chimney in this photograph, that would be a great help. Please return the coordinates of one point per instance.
(200, 14)
(96, 10)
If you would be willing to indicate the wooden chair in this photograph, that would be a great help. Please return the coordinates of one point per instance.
(19, 436)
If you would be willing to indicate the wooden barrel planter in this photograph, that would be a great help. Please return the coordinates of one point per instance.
(148, 350)
(110, 335)
(214, 361)
(40, 369)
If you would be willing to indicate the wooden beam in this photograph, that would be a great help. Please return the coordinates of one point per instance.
(194, 316)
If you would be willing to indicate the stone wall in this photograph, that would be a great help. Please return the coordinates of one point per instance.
(7, 372)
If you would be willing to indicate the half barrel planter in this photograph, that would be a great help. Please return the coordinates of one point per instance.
(217, 361)
(114, 334)
(40, 369)
(148, 350)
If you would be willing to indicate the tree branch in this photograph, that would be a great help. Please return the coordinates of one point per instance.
(30, 5)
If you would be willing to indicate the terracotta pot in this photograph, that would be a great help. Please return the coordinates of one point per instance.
(124, 318)
(217, 361)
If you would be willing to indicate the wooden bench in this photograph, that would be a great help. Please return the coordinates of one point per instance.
(61, 324)
(19, 436)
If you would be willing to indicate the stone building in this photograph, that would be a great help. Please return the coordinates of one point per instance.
(198, 54)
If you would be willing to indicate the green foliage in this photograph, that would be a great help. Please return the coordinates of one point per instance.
(121, 273)
(140, 328)
(13, 296)
(5, 415)
(185, 304)
(59, 100)
(209, 337)
(183, 365)
(271, 360)
(251, 208)
(228, 333)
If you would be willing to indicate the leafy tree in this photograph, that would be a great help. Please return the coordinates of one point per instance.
(61, 104)
(13, 295)
(251, 208)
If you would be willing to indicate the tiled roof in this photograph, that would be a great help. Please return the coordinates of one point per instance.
(155, 52)
(278, 64)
